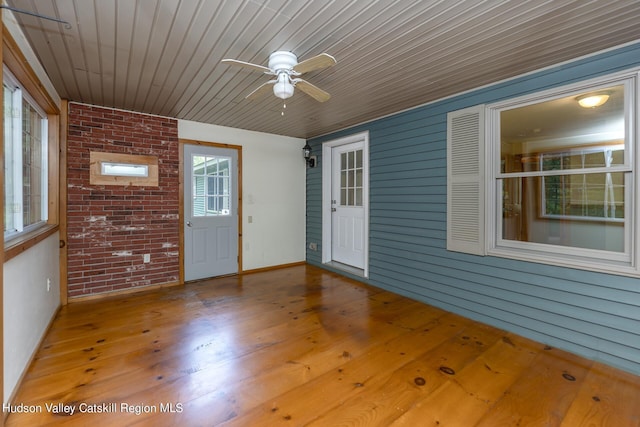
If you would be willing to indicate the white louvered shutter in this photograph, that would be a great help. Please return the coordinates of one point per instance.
(465, 181)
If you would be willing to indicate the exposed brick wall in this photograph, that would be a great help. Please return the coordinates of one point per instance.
(110, 227)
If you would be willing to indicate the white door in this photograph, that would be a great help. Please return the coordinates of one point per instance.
(210, 211)
(347, 205)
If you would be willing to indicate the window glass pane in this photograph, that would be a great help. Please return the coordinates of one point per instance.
(351, 160)
(223, 167)
(8, 160)
(224, 204)
(592, 157)
(211, 165)
(560, 134)
(225, 188)
(198, 165)
(211, 204)
(581, 211)
(343, 161)
(359, 159)
(31, 165)
(592, 196)
(198, 186)
(358, 197)
(199, 205)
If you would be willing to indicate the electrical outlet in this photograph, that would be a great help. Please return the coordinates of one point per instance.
(146, 258)
(313, 246)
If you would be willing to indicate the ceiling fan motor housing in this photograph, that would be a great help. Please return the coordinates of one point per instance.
(282, 60)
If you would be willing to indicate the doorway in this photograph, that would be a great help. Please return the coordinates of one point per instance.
(345, 196)
(211, 211)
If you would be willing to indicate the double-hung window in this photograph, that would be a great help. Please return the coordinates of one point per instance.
(562, 175)
(558, 176)
(25, 160)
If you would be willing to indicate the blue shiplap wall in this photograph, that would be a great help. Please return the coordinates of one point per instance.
(592, 314)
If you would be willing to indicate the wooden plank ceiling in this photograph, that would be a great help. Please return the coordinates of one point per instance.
(163, 56)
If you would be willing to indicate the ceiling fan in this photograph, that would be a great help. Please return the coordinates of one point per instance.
(286, 69)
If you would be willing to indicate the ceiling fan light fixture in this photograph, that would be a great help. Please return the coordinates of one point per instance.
(283, 88)
(593, 100)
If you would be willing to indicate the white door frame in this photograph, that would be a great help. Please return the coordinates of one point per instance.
(327, 148)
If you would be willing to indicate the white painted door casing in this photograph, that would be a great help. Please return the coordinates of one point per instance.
(345, 235)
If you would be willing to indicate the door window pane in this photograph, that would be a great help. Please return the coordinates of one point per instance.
(211, 179)
(351, 178)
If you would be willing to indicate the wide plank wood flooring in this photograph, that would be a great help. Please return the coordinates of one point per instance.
(301, 346)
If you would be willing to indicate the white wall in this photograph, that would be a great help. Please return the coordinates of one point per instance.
(28, 306)
(273, 191)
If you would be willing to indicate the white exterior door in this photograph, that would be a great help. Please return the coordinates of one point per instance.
(210, 211)
(348, 197)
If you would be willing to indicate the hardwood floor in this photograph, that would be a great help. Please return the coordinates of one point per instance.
(303, 346)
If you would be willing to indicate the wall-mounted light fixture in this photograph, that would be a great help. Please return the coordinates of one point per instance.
(308, 158)
(592, 100)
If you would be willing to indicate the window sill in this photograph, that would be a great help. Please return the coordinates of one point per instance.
(20, 244)
(592, 264)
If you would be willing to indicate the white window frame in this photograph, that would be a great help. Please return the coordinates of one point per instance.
(598, 260)
(19, 96)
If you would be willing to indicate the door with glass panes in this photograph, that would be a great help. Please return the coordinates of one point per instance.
(347, 205)
(210, 211)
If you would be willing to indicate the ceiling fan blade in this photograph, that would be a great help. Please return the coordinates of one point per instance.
(311, 90)
(261, 90)
(247, 65)
(323, 60)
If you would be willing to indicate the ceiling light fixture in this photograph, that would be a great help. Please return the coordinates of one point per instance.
(593, 100)
(283, 88)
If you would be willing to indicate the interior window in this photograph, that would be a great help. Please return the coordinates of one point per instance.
(564, 173)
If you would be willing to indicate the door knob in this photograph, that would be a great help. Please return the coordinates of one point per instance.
(189, 224)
